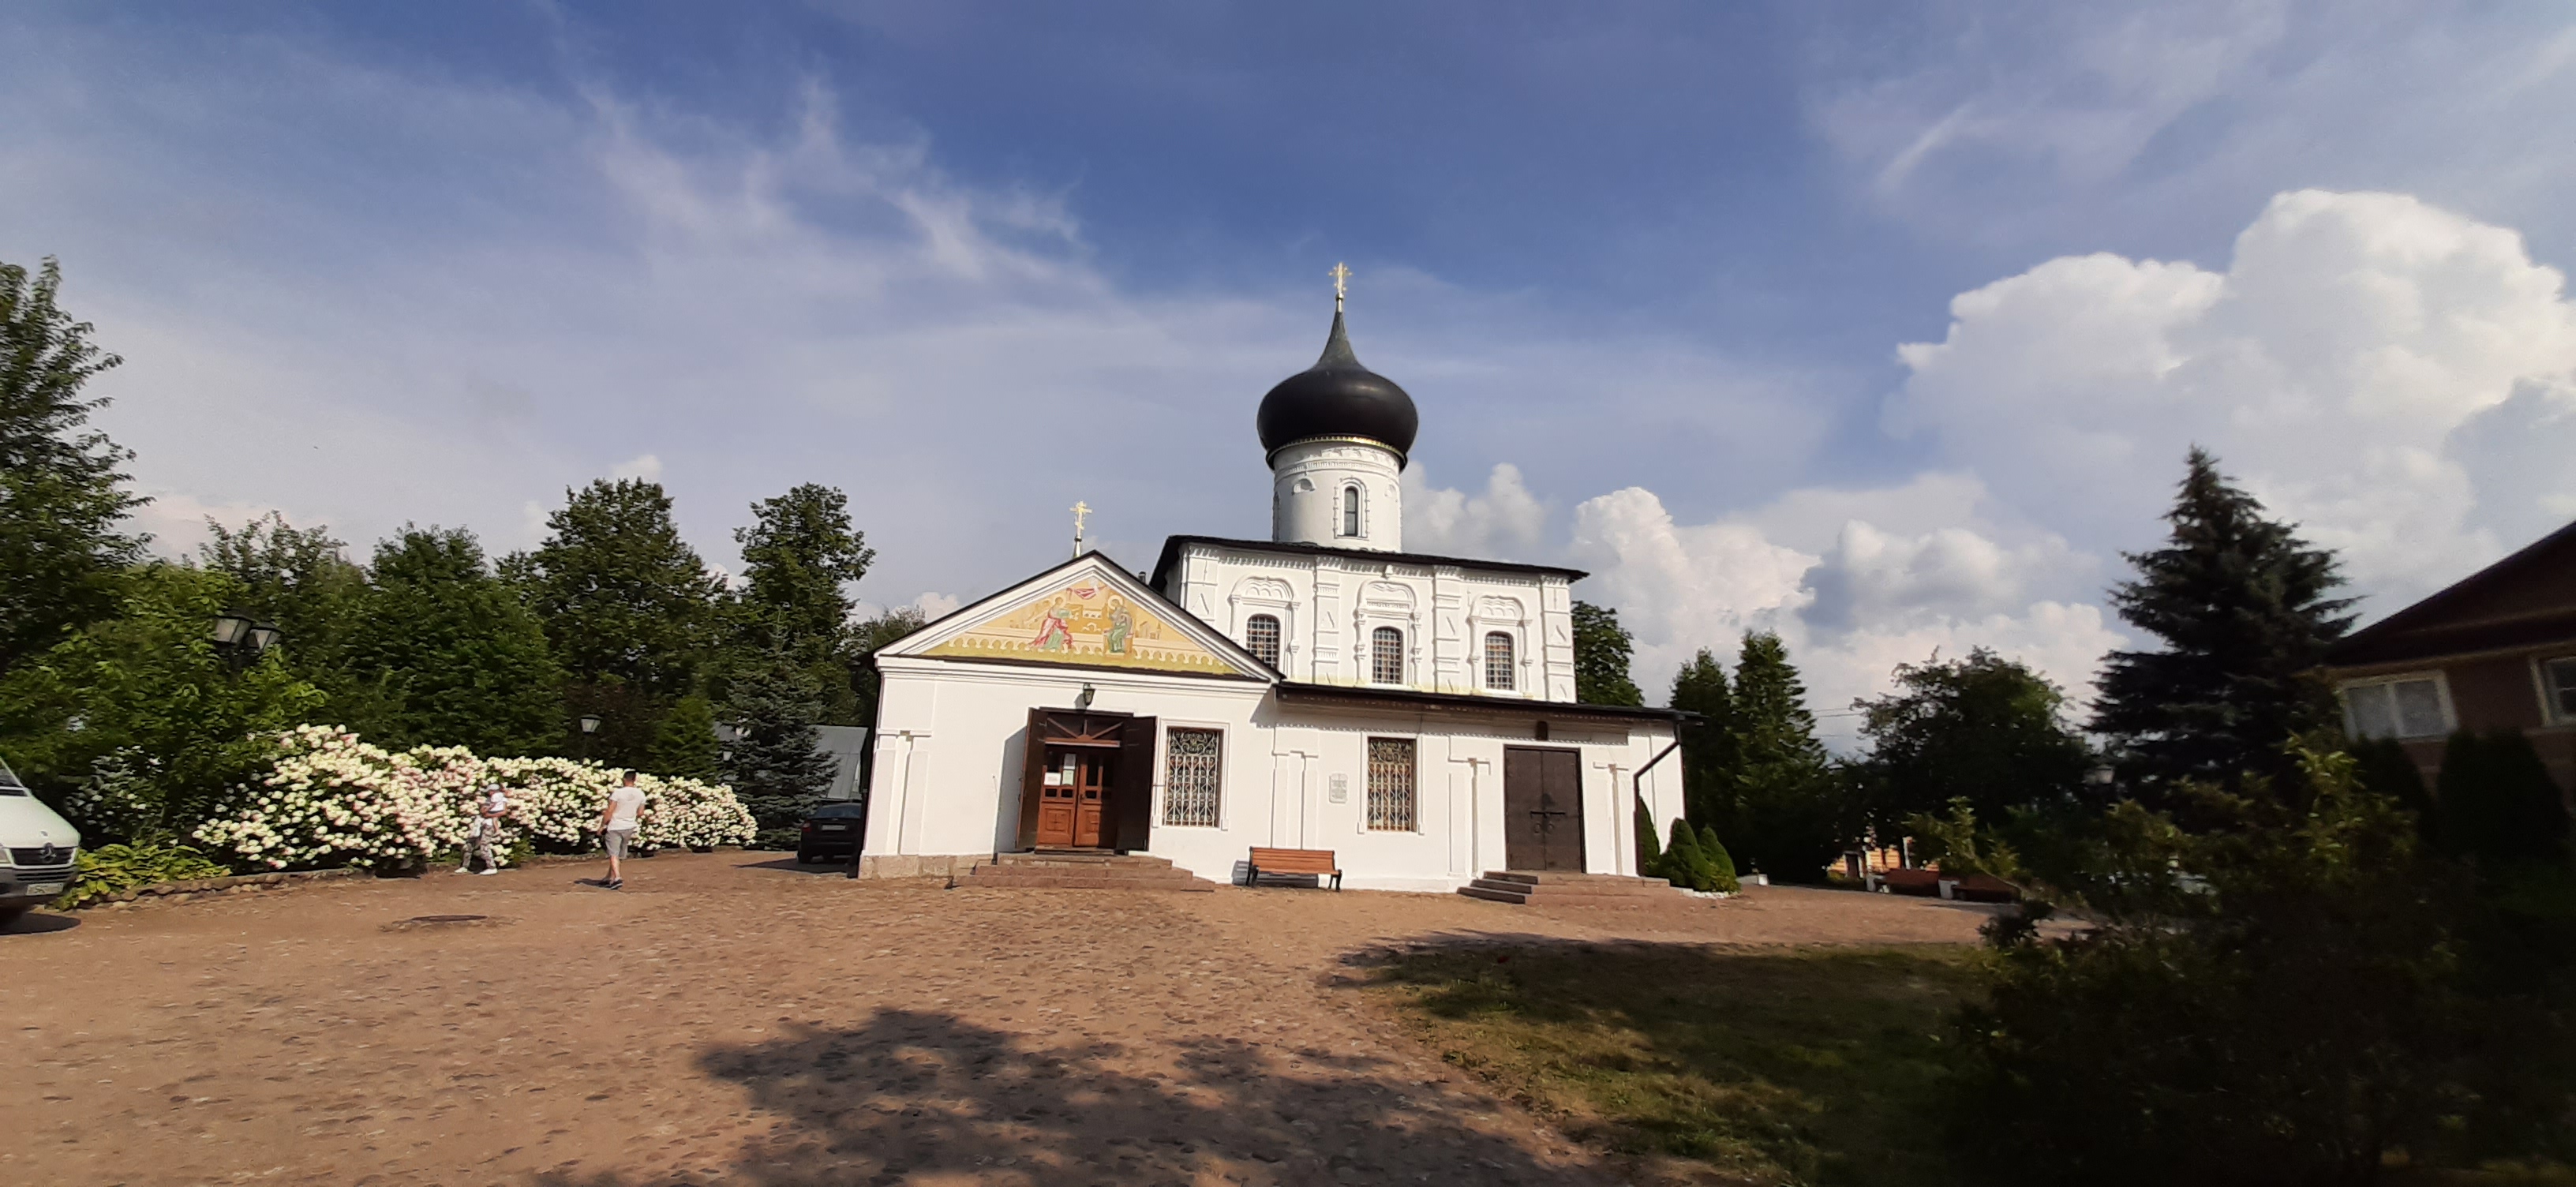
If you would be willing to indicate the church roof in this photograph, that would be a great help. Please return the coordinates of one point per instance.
(1337, 397)
(1088, 612)
(1173, 545)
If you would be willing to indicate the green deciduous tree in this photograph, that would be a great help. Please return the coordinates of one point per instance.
(457, 658)
(1791, 817)
(1984, 729)
(1601, 655)
(800, 555)
(136, 723)
(628, 607)
(776, 765)
(63, 547)
(2242, 607)
(302, 580)
(2289, 996)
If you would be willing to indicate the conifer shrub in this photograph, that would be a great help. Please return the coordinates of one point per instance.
(1721, 864)
(1650, 853)
(1682, 860)
(2498, 805)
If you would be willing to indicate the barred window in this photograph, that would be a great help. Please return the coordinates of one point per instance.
(1191, 776)
(1498, 661)
(1261, 638)
(1386, 655)
(1390, 784)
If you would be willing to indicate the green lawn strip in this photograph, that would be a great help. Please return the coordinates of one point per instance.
(1804, 1066)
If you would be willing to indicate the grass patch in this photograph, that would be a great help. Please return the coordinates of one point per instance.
(1807, 1067)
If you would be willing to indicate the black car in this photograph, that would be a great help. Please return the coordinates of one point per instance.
(832, 832)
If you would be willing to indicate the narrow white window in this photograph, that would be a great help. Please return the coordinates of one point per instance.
(1261, 638)
(2409, 707)
(1351, 510)
(1193, 775)
(2560, 676)
(1386, 655)
(1498, 661)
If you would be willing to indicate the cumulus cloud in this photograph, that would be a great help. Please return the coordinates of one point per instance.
(1505, 521)
(2367, 364)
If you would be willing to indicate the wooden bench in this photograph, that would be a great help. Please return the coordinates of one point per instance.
(1318, 862)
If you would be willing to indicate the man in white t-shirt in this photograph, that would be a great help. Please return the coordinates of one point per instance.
(617, 824)
(488, 807)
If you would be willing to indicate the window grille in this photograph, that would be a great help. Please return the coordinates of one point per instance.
(1386, 655)
(1498, 661)
(1350, 511)
(1390, 784)
(1192, 775)
(1261, 638)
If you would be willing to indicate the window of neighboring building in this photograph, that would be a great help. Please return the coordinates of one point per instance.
(1351, 510)
(1390, 784)
(1261, 637)
(1498, 661)
(1193, 767)
(1386, 655)
(2406, 707)
(2559, 678)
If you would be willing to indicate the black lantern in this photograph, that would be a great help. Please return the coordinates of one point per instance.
(590, 723)
(231, 627)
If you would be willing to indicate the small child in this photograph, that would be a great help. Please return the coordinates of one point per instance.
(487, 832)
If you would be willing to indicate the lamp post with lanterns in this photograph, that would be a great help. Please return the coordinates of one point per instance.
(243, 639)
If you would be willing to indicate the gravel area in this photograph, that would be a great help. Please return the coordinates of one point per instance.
(731, 1018)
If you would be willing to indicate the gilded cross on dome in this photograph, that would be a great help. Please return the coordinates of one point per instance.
(1341, 275)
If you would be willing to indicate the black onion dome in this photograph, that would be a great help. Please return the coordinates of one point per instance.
(1337, 397)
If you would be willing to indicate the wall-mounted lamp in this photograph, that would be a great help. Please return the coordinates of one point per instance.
(1082, 700)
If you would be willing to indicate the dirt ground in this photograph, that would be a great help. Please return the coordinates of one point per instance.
(728, 1018)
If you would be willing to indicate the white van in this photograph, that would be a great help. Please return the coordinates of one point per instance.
(36, 850)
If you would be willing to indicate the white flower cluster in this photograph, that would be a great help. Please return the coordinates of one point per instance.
(333, 800)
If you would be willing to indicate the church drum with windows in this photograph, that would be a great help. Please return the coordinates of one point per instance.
(1323, 689)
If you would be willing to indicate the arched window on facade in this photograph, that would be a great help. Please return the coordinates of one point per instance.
(1386, 655)
(1498, 661)
(1351, 510)
(1261, 637)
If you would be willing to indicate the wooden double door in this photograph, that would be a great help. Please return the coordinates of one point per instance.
(1542, 809)
(1072, 794)
(1086, 785)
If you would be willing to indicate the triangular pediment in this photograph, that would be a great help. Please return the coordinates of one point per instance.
(1086, 613)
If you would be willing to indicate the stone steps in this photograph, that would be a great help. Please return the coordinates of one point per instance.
(1520, 887)
(1081, 871)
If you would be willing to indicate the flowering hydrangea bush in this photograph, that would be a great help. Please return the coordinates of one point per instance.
(333, 799)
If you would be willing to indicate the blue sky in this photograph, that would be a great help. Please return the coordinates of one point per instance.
(1881, 325)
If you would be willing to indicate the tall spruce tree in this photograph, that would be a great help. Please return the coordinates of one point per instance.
(1791, 818)
(628, 608)
(776, 762)
(63, 543)
(458, 660)
(1709, 764)
(2243, 608)
(1602, 651)
(800, 555)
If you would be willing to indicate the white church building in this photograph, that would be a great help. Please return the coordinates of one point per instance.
(1323, 690)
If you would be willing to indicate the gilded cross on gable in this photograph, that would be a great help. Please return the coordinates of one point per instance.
(1341, 275)
(1081, 512)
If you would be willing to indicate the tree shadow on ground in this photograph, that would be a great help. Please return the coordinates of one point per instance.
(919, 1097)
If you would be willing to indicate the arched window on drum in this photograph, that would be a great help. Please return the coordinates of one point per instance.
(1498, 661)
(1261, 637)
(1386, 655)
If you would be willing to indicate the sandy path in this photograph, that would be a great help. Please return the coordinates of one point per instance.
(723, 1019)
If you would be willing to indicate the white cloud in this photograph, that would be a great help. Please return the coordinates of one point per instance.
(2353, 366)
(645, 466)
(1505, 521)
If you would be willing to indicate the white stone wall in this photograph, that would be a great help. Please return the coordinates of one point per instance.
(1310, 482)
(946, 788)
(1327, 607)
